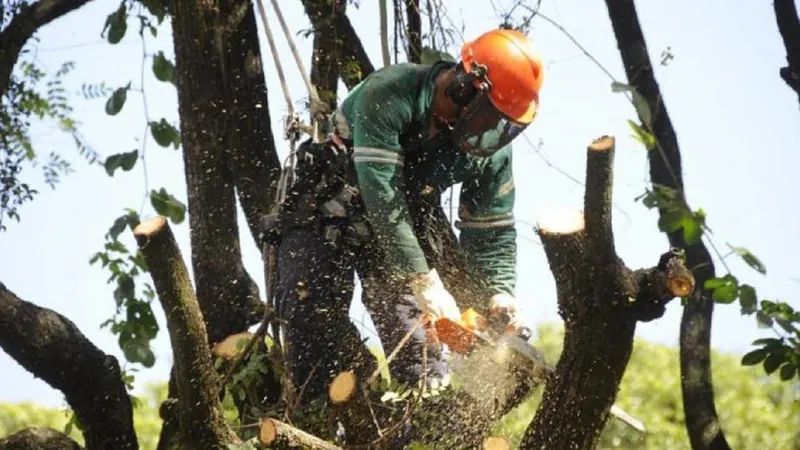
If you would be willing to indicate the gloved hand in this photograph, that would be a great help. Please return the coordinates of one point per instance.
(503, 308)
(433, 298)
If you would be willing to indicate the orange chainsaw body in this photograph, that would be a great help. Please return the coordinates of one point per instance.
(461, 336)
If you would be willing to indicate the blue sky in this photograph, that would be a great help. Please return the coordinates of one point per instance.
(735, 118)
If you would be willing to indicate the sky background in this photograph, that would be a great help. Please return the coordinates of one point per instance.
(736, 121)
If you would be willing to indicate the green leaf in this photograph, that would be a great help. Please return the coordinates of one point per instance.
(163, 68)
(116, 24)
(763, 320)
(138, 351)
(643, 109)
(647, 139)
(773, 361)
(165, 134)
(124, 161)
(787, 371)
(140, 314)
(617, 86)
(115, 103)
(754, 357)
(671, 220)
(167, 205)
(747, 299)
(724, 290)
(750, 259)
(692, 229)
(157, 8)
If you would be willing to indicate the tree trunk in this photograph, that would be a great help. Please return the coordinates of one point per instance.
(227, 294)
(328, 46)
(52, 348)
(702, 422)
(600, 300)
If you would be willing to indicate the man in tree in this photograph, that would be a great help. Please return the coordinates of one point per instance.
(406, 133)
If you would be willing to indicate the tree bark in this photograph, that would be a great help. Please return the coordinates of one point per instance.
(328, 48)
(38, 438)
(199, 411)
(250, 142)
(702, 421)
(30, 18)
(789, 29)
(355, 64)
(227, 294)
(52, 348)
(600, 301)
(414, 31)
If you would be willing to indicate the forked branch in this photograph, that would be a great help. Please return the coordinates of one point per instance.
(600, 300)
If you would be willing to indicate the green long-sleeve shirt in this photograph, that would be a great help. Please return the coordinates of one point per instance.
(385, 116)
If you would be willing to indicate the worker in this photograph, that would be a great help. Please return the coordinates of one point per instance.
(403, 136)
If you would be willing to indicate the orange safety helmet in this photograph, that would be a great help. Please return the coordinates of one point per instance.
(497, 84)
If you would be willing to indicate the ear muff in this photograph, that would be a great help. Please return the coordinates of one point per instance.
(461, 89)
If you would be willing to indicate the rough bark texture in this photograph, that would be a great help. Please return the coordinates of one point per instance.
(250, 142)
(30, 18)
(414, 31)
(702, 422)
(600, 301)
(789, 28)
(199, 412)
(354, 65)
(227, 294)
(51, 347)
(38, 438)
(328, 47)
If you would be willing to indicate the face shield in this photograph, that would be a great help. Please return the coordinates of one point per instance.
(482, 129)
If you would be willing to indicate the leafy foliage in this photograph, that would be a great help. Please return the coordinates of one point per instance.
(650, 391)
(33, 95)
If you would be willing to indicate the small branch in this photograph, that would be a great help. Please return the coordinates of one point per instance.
(199, 413)
(23, 26)
(51, 347)
(789, 29)
(38, 438)
(414, 31)
(277, 434)
(384, 27)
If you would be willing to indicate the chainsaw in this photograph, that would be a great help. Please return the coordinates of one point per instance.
(477, 341)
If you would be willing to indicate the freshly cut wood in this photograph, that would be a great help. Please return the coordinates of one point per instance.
(232, 345)
(277, 434)
(343, 387)
(496, 443)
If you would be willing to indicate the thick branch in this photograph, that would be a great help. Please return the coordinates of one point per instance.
(199, 414)
(598, 198)
(328, 46)
(30, 18)
(414, 28)
(279, 435)
(38, 438)
(204, 74)
(702, 422)
(51, 347)
(789, 28)
(255, 162)
(355, 64)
